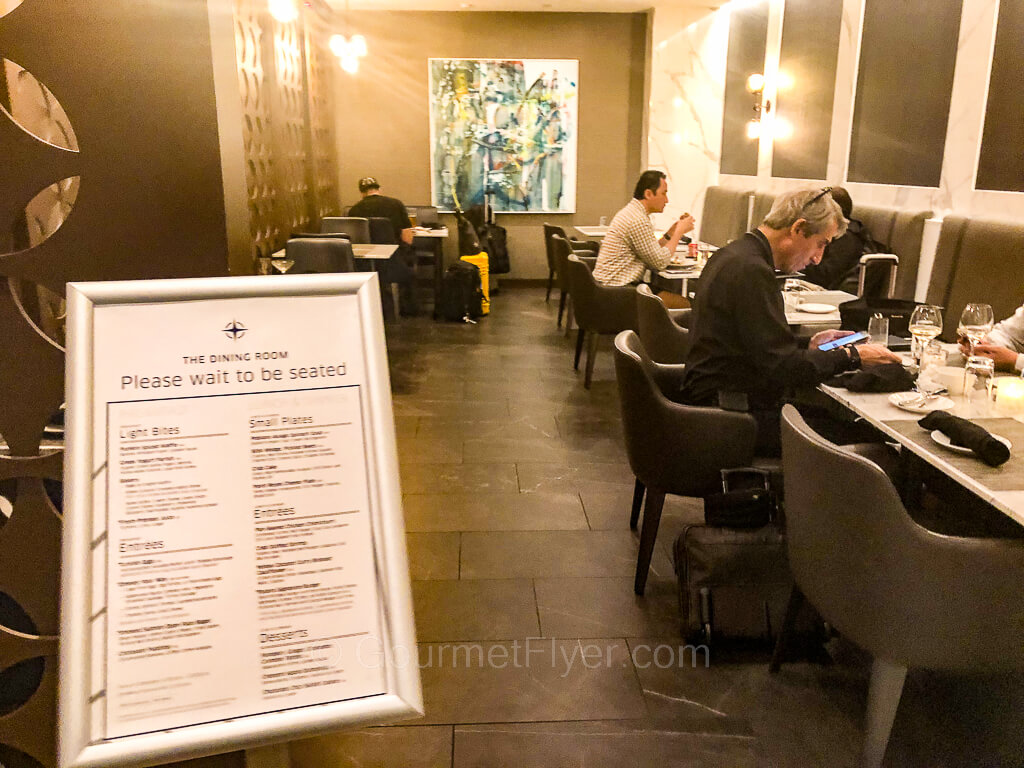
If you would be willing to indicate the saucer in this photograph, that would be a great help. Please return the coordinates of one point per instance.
(815, 309)
(902, 399)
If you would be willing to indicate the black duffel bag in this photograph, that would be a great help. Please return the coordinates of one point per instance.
(855, 314)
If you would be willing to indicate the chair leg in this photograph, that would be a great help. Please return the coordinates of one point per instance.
(648, 533)
(568, 314)
(561, 307)
(551, 282)
(579, 349)
(638, 499)
(394, 301)
(591, 355)
(884, 694)
(796, 601)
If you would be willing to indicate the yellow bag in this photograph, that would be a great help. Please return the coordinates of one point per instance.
(481, 262)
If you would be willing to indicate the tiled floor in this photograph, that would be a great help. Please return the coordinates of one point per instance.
(534, 651)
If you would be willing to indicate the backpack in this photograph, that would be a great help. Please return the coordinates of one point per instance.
(461, 293)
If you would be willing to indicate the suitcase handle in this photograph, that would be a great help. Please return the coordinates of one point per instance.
(729, 474)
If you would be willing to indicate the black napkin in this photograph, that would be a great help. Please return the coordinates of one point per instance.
(968, 435)
(890, 377)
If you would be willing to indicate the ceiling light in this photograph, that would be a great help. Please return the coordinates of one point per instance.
(283, 11)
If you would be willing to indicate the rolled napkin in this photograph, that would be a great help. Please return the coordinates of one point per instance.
(891, 377)
(968, 435)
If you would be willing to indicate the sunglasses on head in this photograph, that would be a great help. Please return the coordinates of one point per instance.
(815, 199)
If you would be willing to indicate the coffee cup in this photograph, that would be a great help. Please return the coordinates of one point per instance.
(952, 378)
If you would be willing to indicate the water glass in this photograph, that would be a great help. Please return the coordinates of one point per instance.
(878, 330)
(978, 375)
(933, 357)
(603, 221)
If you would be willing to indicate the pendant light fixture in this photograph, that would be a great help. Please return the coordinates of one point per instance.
(283, 11)
(348, 49)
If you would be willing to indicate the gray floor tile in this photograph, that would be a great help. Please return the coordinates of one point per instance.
(538, 554)
(574, 478)
(452, 410)
(474, 610)
(544, 449)
(459, 478)
(493, 512)
(501, 427)
(609, 510)
(615, 744)
(416, 450)
(395, 747)
(530, 679)
(606, 607)
(433, 555)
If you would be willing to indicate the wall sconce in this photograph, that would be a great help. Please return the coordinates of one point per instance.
(762, 107)
(348, 51)
(283, 11)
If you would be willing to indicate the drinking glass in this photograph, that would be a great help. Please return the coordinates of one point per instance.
(933, 357)
(978, 374)
(975, 323)
(283, 265)
(878, 330)
(603, 221)
(925, 325)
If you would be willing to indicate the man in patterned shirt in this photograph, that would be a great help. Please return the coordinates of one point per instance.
(630, 247)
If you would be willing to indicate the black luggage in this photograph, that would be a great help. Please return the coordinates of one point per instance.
(461, 293)
(493, 239)
(733, 584)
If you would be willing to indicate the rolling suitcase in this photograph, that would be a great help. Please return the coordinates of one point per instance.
(732, 583)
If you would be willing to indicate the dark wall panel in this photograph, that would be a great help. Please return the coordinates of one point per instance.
(1002, 143)
(748, 34)
(810, 45)
(904, 84)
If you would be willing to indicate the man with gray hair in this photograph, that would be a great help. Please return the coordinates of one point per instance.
(742, 351)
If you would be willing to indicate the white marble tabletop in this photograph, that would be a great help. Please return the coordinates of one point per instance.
(359, 251)
(987, 482)
(593, 231)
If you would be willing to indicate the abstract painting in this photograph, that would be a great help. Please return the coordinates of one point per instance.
(504, 129)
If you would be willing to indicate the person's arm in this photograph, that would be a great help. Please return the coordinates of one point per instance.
(1005, 359)
(407, 235)
(639, 237)
(770, 344)
(676, 232)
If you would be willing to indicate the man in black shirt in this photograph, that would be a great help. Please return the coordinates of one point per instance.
(401, 266)
(741, 346)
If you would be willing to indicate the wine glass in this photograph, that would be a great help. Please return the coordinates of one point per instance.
(975, 323)
(925, 325)
(283, 265)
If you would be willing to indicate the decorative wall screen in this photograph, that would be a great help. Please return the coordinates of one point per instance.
(507, 129)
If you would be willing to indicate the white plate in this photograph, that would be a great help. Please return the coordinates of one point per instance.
(816, 309)
(935, 404)
(943, 440)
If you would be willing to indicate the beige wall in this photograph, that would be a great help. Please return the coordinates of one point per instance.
(383, 113)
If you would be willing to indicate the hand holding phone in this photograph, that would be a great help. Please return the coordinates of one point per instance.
(853, 338)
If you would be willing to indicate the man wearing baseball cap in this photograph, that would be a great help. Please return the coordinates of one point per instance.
(400, 268)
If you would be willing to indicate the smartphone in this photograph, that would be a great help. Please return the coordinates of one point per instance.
(853, 338)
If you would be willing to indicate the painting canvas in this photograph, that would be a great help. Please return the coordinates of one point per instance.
(505, 129)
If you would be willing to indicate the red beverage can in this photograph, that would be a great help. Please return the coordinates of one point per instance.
(693, 250)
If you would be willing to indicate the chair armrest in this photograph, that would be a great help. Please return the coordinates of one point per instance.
(669, 378)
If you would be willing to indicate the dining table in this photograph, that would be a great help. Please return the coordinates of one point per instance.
(592, 231)
(1002, 487)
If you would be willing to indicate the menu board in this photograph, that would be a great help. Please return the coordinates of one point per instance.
(233, 513)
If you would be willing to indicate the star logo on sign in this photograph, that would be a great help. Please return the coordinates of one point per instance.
(235, 330)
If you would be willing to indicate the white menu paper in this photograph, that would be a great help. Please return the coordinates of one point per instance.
(240, 573)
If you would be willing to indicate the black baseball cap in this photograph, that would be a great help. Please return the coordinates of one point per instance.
(368, 182)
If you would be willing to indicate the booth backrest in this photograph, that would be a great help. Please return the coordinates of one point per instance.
(905, 241)
(977, 260)
(725, 215)
(763, 202)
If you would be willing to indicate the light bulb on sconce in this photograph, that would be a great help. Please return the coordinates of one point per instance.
(283, 11)
(756, 84)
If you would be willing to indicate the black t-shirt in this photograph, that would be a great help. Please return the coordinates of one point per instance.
(386, 207)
